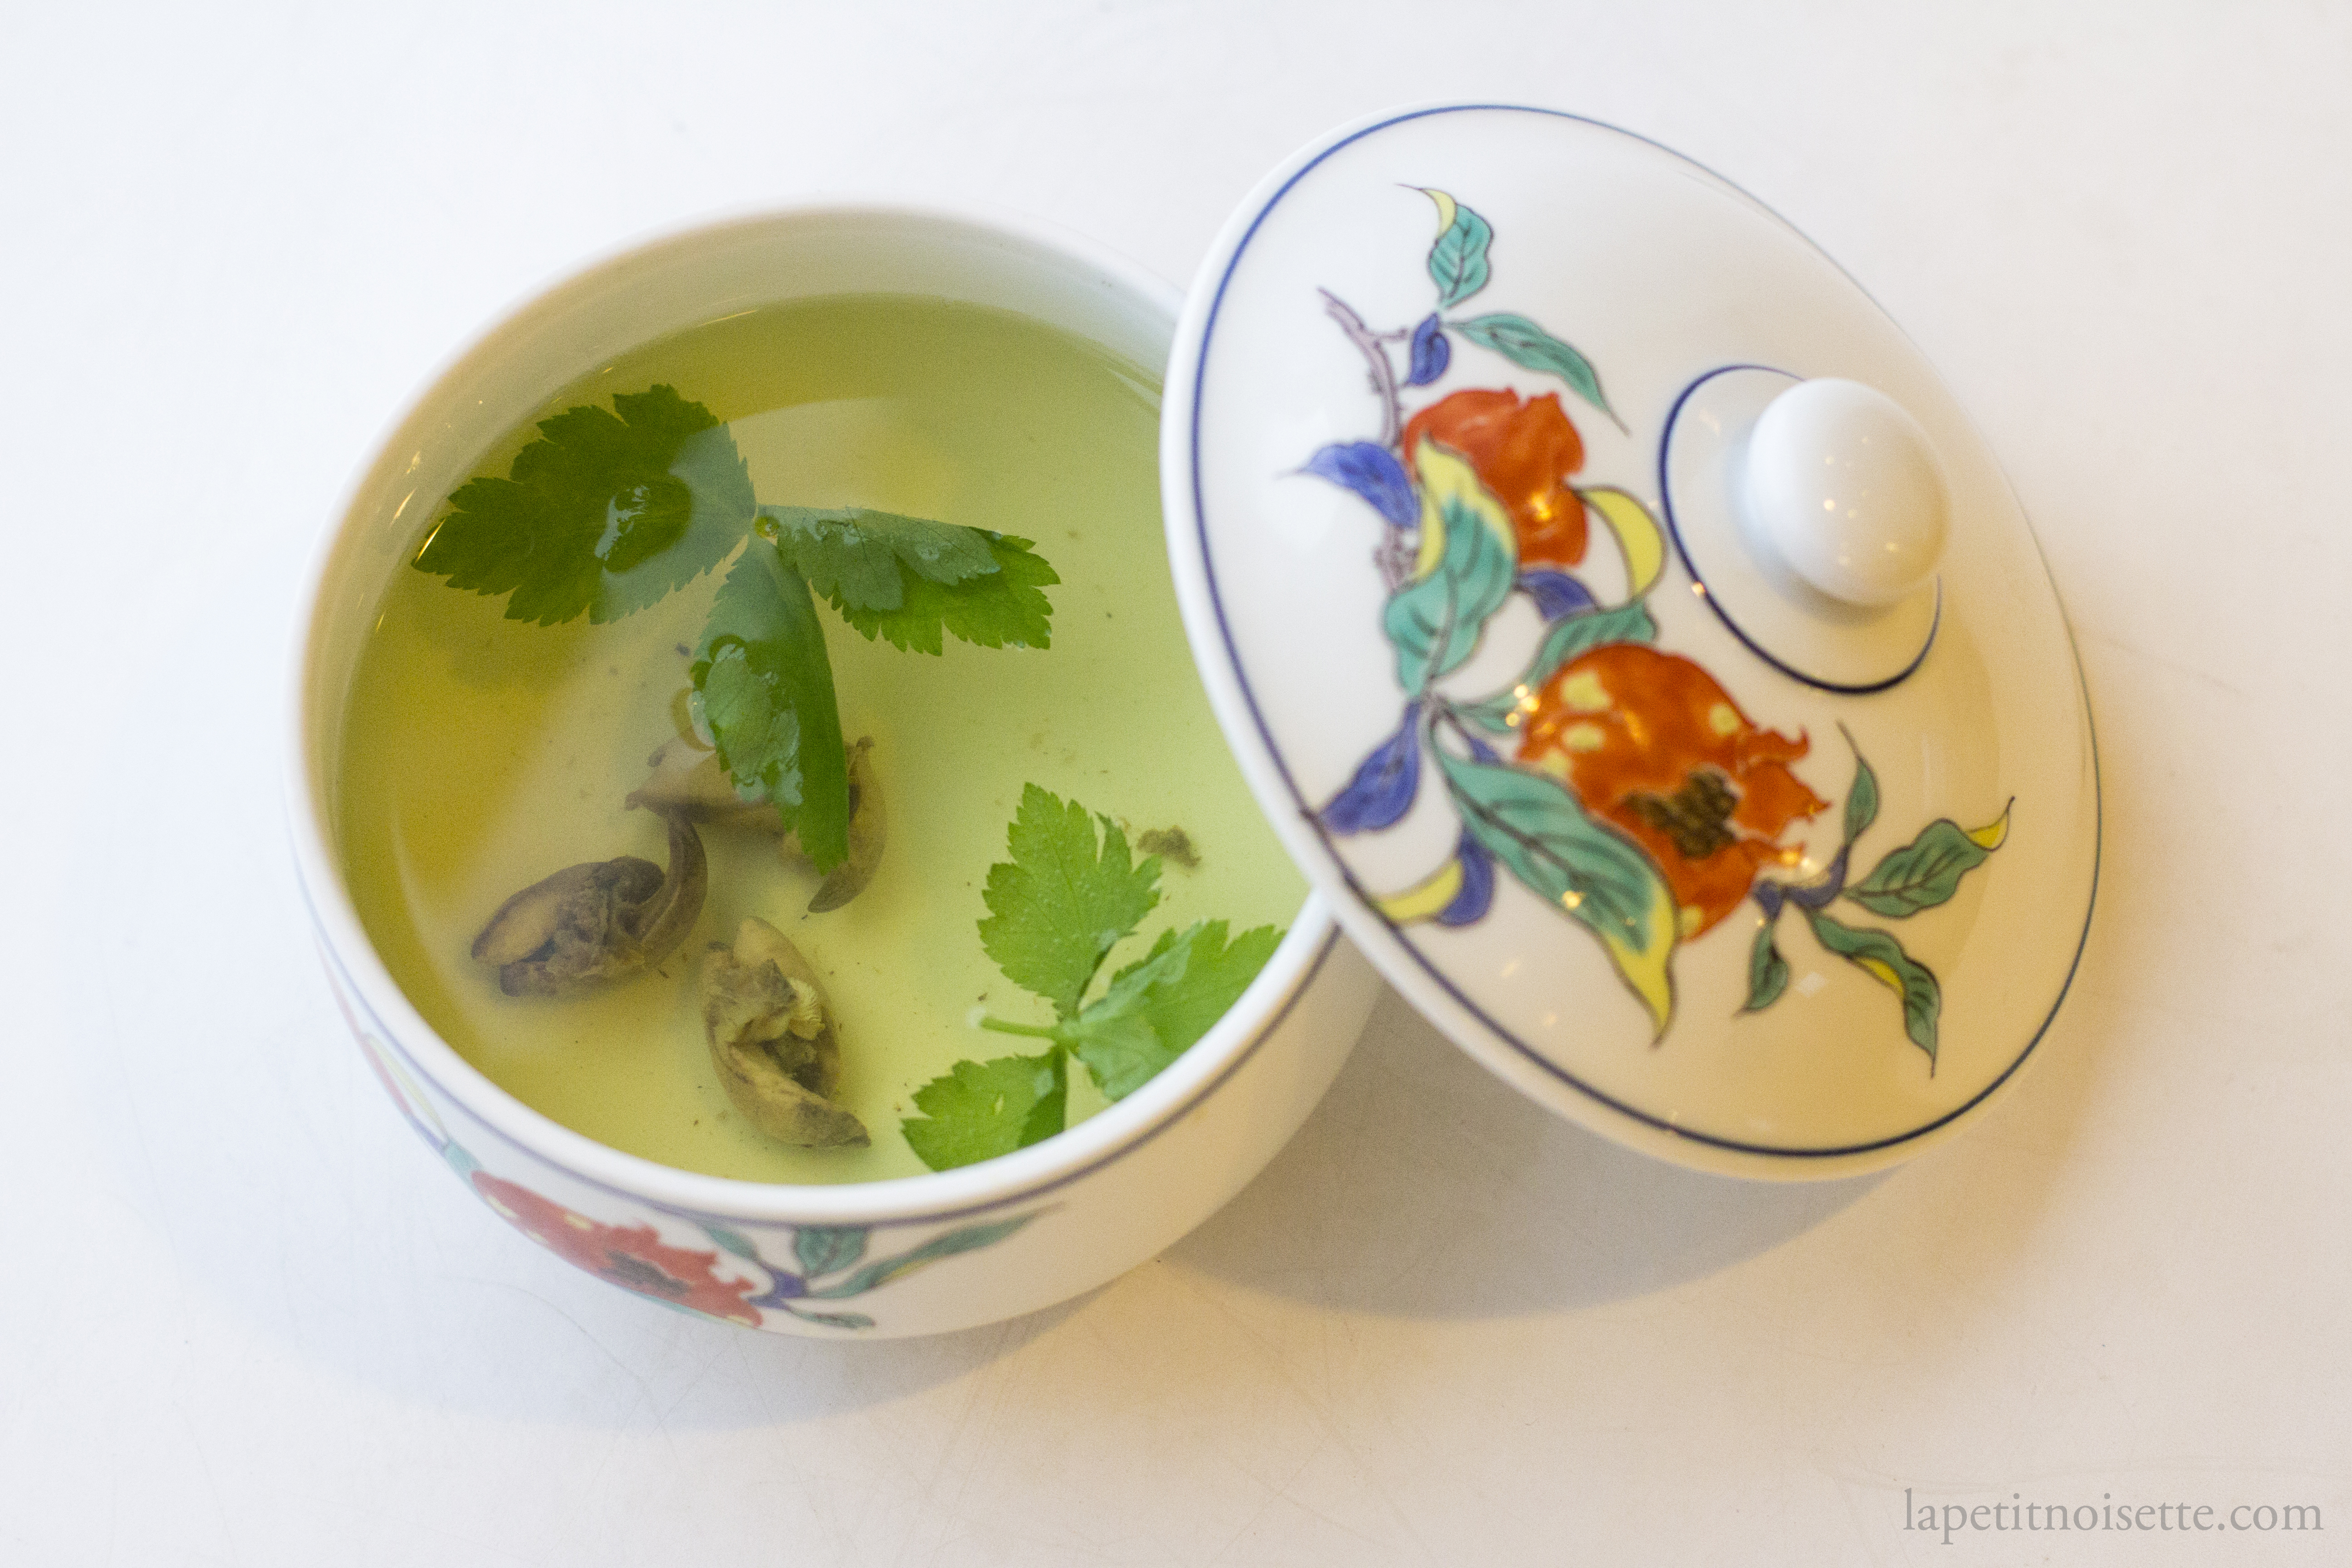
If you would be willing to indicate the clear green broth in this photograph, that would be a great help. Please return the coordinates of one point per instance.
(479, 754)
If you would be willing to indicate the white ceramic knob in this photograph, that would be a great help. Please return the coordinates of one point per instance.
(1844, 487)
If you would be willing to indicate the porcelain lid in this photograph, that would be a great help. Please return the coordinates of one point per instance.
(1620, 620)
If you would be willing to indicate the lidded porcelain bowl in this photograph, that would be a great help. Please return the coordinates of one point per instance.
(1616, 616)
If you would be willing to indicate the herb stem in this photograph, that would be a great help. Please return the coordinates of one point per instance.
(1035, 1031)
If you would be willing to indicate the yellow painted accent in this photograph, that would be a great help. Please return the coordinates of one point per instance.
(1885, 972)
(1425, 898)
(1645, 969)
(574, 1221)
(1555, 765)
(1994, 832)
(1723, 718)
(1639, 538)
(1584, 737)
(1689, 916)
(1445, 208)
(1444, 478)
(1583, 693)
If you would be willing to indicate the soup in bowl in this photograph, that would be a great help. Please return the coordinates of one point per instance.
(760, 813)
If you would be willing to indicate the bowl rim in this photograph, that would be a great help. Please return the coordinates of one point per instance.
(345, 948)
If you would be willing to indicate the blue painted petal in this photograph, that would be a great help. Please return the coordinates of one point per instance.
(1482, 752)
(1557, 593)
(1768, 897)
(1477, 884)
(1385, 783)
(1431, 353)
(787, 1288)
(1371, 471)
(1818, 895)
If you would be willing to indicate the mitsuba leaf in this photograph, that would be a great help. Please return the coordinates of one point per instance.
(1156, 1007)
(979, 1111)
(765, 688)
(1528, 346)
(605, 513)
(1371, 471)
(1430, 353)
(1458, 262)
(1468, 564)
(1542, 835)
(1062, 903)
(1384, 785)
(1880, 957)
(909, 580)
(969, 1238)
(1923, 873)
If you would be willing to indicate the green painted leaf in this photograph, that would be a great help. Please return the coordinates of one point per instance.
(605, 513)
(1535, 827)
(1922, 874)
(981, 1109)
(909, 580)
(1861, 798)
(1572, 636)
(822, 1249)
(1458, 262)
(766, 689)
(1435, 621)
(1061, 904)
(1768, 972)
(1156, 1007)
(1882, 957)
(731, 1241)
(970, 1238)
(834, 1320)
(1525, 344)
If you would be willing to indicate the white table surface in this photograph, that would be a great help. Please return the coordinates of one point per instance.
(247, 1319)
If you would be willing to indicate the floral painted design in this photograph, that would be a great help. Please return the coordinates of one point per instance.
(736, 1283)
(831, 1262)
(633, 1256)
(1641, 799)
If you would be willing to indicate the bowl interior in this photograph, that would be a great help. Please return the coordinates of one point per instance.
(639, 295)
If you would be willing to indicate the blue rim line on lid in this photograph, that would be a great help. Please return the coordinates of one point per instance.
(1363, 897)
(1666, 502)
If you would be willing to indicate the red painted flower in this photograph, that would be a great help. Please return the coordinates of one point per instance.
(1523, 453)
(1650, 741)
(632, 1257)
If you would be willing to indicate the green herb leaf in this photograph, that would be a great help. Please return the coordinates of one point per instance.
(981, 1109)
(765, 687)
(605, 513)
(1059, 907)
(907, 579)
(1880, 957)
(1156, 1007)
